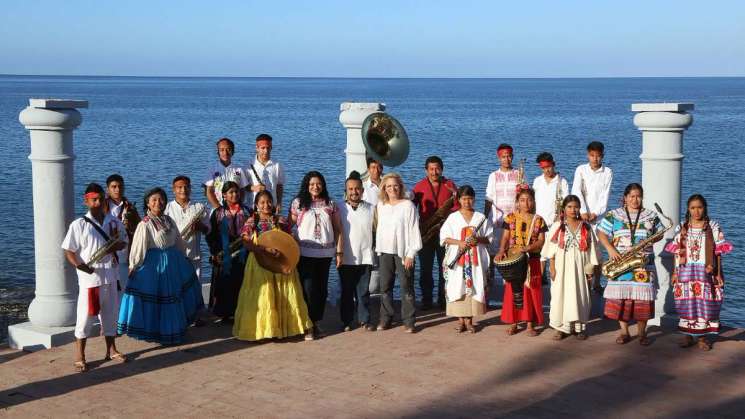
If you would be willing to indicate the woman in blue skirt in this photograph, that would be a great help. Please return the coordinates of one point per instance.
(163, 295)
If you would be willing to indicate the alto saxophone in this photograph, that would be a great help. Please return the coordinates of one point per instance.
(104, 250)
(634, 258)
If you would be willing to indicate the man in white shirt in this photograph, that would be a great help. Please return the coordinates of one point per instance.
(265, 174)
(592, 183)
(125, 211)
(224, 171)
(370, 194)
(371, 185)
(549, 187)
(98, 296)
(192, 220)
(357, 230)
(500, 193)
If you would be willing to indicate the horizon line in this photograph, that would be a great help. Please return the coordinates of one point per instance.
(374, 77)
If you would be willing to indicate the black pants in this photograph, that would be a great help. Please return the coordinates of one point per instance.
(390, 265)
(314, 275)
(355, 293)
(426, 257)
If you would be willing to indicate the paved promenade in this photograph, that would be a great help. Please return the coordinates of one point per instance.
(358, 374)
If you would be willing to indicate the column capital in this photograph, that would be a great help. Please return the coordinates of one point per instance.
(670, 117)
(353, 114)
(52, 114)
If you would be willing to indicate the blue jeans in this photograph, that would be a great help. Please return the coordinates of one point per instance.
(355, 293)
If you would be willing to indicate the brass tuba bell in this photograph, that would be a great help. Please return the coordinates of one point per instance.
(385, 139)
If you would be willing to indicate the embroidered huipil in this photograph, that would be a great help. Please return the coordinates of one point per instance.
(638, 284)
(500, 190)
(315, 229)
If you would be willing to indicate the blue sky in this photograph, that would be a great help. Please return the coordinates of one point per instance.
(374, 39)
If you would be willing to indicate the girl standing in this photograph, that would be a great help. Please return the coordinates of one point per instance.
(319, 235)
(698, 279)
(227, 250)
(572, 252)
(524, 232)
(270, 305)
(630, 296)
(163, 294)
(465, 284)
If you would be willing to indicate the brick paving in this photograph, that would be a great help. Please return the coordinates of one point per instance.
(358, 374)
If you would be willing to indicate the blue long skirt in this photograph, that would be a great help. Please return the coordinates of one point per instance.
(162, 298)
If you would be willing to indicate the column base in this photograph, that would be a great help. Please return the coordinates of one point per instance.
(27, 337)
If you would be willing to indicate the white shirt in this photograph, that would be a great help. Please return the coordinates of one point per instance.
(270, 174)
(545, 196)
(219, 174)
(596, 189)
(183, 217)
(500, 190)
(398, 229)
(82, 238)
(371, 192)
(357, 230)
(453, 228)
(148, 236)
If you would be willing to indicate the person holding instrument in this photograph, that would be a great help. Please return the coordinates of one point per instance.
(466, 236)
(265, 174)
(630, 295)
(523, 235)
(228, 255)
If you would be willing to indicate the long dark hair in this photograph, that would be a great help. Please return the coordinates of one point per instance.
(152, 192)
(700, 198)
(258, 196)
(304, 194)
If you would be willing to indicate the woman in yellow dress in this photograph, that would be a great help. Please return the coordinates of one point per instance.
(270, 305)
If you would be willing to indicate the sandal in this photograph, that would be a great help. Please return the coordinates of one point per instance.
(471, 329)
(623, 339)
(512, 330)
(532, 333)
(461, 328)
(686, 342)
(120, 357)
(559, 335)
(644, 340)
(704, 345)
(80, 366)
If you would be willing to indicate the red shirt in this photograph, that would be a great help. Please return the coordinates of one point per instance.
(429, 198)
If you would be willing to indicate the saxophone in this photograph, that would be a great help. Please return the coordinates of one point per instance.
(634, 258)
(234, 247)
(558, 200)
(104, 250)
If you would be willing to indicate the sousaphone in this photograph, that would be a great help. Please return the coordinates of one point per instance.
(385, 139)
(289, 252)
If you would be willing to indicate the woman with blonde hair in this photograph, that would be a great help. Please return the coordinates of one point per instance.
(397, 242)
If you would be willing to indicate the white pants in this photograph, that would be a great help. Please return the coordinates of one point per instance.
(109, 301)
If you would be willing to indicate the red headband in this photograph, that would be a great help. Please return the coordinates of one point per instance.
(504, 150)
(91, 195)
(545, 163)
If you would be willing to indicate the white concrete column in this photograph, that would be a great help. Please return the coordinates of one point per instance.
(352, 116)
(50, 123)
(662, 126)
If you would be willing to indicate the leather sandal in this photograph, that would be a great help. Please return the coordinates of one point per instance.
(623, 339)
(80, 366)
(704, 345)
(644, 340)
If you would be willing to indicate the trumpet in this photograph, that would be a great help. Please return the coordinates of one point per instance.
(188, 231)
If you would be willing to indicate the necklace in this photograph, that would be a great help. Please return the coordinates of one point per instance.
(634, 225)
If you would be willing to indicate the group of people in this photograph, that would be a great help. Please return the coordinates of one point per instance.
(140, 276)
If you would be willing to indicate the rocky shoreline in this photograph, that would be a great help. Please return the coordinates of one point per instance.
(13, 309)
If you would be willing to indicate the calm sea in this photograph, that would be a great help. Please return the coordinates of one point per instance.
(151, 129)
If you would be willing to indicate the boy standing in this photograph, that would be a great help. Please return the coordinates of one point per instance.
(125, 211)
(500, 193)
(224, 171)
(371, 185)
(97, 279)
(545, 187)
(592, 183)
(265, 174)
